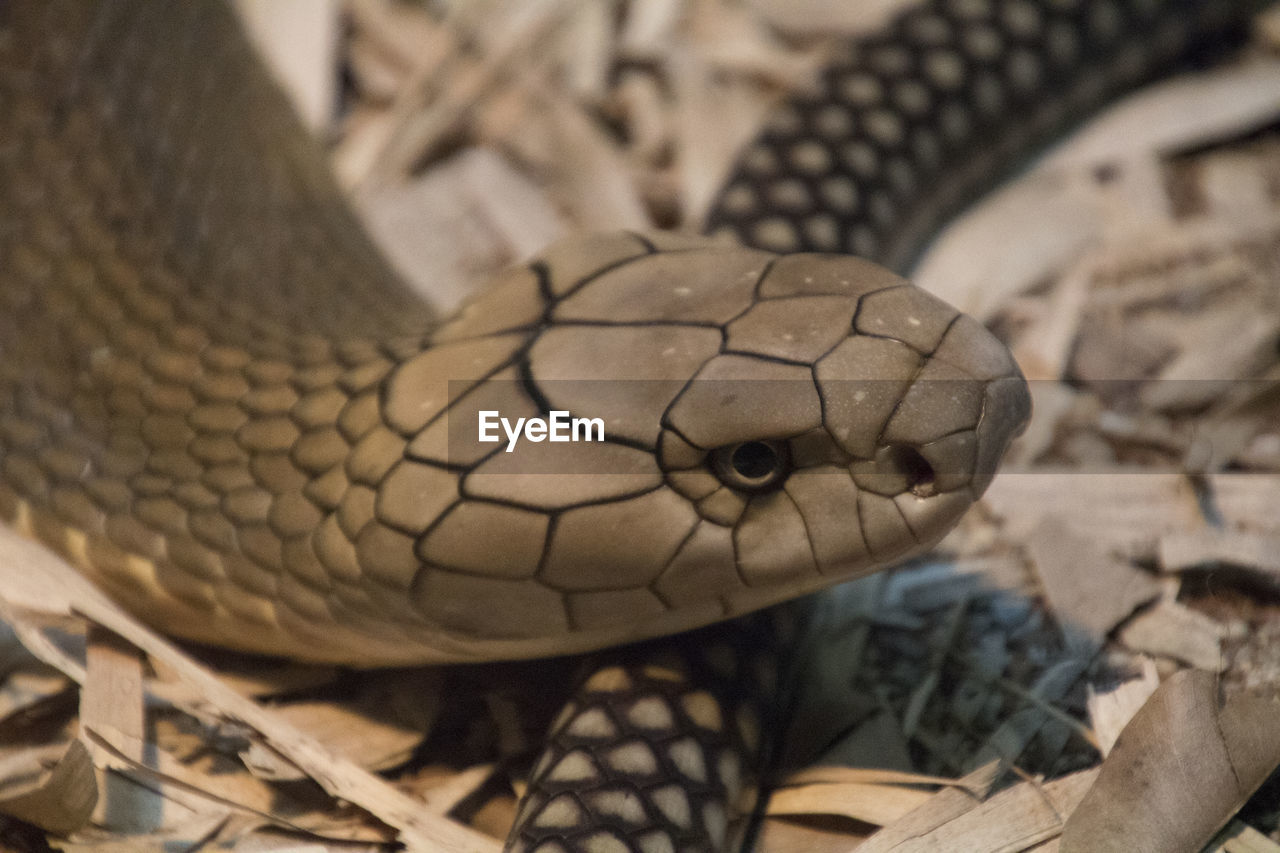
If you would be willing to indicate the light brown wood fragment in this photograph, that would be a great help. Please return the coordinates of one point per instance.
(1014, 819)
(1089, 591)
(835, 774)
(451, 229)
(1054, 218)
(52, 786)
(33, 580)
(378, 76)
(1172, 630)
(505, 39)
(649, 28)
(1178, 114)
(1246, 500)
(1235, 341)
(402, 32)
(299, 39)
(1144, 430)
(586, 44)
(1179, 551)
(714, 119)
(111, 702)
(1121, 511)
(640, 100)
(596, 184)
(1044, 348)
(782, 835)
(379, 726)
(194, 833)
(1111, 710)
(870, 803)
(1235, 187)
(946, 805)
(1053, 403)
(732, 41)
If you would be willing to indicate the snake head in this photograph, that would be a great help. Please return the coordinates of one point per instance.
(771, 425)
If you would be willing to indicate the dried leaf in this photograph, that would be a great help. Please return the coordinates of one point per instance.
(1181, 768)
(874, 804)
(51, 787)
(1014, 819)
(946, 805)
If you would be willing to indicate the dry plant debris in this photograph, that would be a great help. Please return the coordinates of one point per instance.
(1109, 616)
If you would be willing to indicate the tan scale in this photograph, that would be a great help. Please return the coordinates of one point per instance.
(217, 399)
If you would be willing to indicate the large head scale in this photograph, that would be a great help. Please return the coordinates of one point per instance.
(772, 425)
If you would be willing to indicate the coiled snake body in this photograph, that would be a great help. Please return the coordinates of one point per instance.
(218, 402)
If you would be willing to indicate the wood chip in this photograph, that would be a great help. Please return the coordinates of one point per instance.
(111, 703)
(1172, 630)
(52, 787)
(299, 39)
(1124, 512)
(1111, 710)
(450, 227)
(1014, 819)
(1182, 550)
(33, 581)
(1089, 591)
(947, 805)
(875, 804)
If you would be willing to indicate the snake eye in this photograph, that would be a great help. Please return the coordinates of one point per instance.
(753, 466)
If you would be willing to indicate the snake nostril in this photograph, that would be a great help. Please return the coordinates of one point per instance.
(752, 465)
(920, 476)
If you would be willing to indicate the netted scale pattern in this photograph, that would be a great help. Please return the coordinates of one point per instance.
(910, 123)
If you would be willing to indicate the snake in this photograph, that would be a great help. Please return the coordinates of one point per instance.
(219, 402)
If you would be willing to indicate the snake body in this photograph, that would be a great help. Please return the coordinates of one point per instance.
(199, 417)
(218, 402)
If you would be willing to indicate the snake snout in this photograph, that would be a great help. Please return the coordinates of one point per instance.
(1004, 417)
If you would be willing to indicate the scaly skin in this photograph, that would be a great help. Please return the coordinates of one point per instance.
(218, 402)
(906, 125)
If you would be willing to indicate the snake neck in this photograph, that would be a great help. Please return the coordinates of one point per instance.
(147, 152)
(193, 328)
